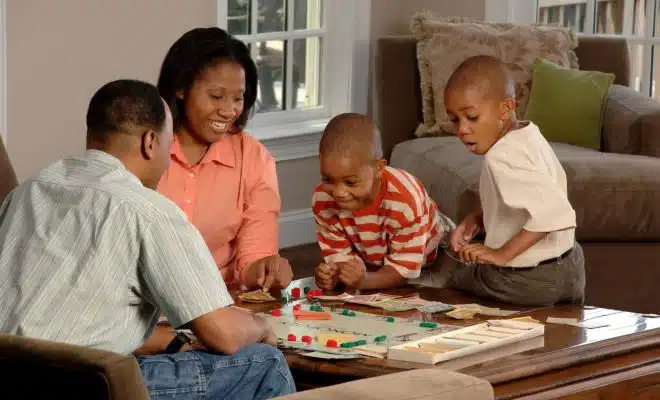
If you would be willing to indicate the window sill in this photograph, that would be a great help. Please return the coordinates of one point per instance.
(291, 141)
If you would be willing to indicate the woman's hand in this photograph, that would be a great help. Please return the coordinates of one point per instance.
(269, 272)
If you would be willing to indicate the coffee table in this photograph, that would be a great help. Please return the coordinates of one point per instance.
(618, 361)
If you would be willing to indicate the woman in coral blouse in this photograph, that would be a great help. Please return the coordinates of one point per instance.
(220, 176)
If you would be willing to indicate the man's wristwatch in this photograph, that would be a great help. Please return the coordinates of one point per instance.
(177, 343)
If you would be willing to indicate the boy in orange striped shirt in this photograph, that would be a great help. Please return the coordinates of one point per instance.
(368, 213)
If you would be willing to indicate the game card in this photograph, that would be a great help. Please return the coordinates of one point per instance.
(257, 296)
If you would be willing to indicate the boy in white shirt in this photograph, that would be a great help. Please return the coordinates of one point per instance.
(530, 256)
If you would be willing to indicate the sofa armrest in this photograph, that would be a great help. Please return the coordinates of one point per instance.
(416, 384)
(44, 369)
(631, 123)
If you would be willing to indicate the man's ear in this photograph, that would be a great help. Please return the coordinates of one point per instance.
(149, 144)
(507, 108)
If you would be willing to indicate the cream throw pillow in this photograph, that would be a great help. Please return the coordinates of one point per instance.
(442, 44)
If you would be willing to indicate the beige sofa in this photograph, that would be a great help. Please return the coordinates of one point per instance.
(616, 193)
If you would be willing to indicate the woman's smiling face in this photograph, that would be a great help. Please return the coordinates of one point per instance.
(215, 101)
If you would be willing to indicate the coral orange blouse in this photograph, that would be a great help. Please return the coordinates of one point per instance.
(232, 197)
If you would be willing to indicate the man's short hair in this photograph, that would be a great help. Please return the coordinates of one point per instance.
(124, 106)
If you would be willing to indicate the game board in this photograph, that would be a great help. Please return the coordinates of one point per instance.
(348, 329)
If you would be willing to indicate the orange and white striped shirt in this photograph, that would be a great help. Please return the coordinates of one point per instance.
(401, 229)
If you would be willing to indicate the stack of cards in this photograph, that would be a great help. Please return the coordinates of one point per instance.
(257, 296)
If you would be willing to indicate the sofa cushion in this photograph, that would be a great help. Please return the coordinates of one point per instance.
(567, 104)
(616, 196)
(416, 384)
(443, 43)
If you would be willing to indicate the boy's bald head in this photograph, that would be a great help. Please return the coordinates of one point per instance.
(352, 134)
(487, 73)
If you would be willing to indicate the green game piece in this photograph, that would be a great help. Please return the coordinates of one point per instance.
(428, 325)
(346, 312)
(390, 319)
(346, 345)
(284, 299)
(352, 314)
(306, 290)
(361, 342)
(380, 338)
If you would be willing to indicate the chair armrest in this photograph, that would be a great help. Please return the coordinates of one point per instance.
(416, 384)
(7, 175)
(631, 123)
(42, 369)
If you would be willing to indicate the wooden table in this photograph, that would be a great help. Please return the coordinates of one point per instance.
(620, 361)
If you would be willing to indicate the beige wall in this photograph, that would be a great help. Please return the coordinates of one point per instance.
(60, 52)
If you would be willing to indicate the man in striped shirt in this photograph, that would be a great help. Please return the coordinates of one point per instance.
(368, 213)
(91, 255)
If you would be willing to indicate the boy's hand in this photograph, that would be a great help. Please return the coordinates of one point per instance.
(464, 232)
(478, 253)
(326, 276)
(352, 272)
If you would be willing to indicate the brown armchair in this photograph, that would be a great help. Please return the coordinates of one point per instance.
(7, 175)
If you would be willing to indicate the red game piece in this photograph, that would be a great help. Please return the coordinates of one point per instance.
(291, 337)
(307, 339)
(295, 292)
(296, 307)
(331, 343)
(276, 312)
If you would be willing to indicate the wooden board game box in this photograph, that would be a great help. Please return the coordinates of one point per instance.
(464, 342)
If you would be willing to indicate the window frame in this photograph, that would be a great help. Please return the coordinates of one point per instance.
(341, 37)
(647, 41)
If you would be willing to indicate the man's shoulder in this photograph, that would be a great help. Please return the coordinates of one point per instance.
(106, 185)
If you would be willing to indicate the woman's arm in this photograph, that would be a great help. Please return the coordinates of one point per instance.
(258, 236)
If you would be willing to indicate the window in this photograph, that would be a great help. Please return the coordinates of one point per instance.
(304, 53)
(637, 20)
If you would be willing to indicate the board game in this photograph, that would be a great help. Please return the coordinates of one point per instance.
(343, 331)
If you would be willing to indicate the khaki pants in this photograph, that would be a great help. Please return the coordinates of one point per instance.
(561, 281)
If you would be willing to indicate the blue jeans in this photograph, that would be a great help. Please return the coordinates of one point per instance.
(258, 371)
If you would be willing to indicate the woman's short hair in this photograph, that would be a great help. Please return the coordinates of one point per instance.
(194, 52)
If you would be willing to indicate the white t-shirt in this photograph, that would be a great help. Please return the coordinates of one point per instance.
(523, 186)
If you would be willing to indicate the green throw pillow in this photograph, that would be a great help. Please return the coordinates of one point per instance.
(567, 104)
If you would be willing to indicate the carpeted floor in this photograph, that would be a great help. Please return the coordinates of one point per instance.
(303, 259)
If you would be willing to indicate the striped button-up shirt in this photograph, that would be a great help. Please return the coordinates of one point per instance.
(89, 256)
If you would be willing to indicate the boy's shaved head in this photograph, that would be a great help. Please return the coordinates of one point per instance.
(352, 134)
(487, 73)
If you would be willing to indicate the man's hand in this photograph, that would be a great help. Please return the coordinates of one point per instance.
(465, 232)
(326, 276)
(478, 253)
(352, 272)
(270, 337)
(269, 272)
